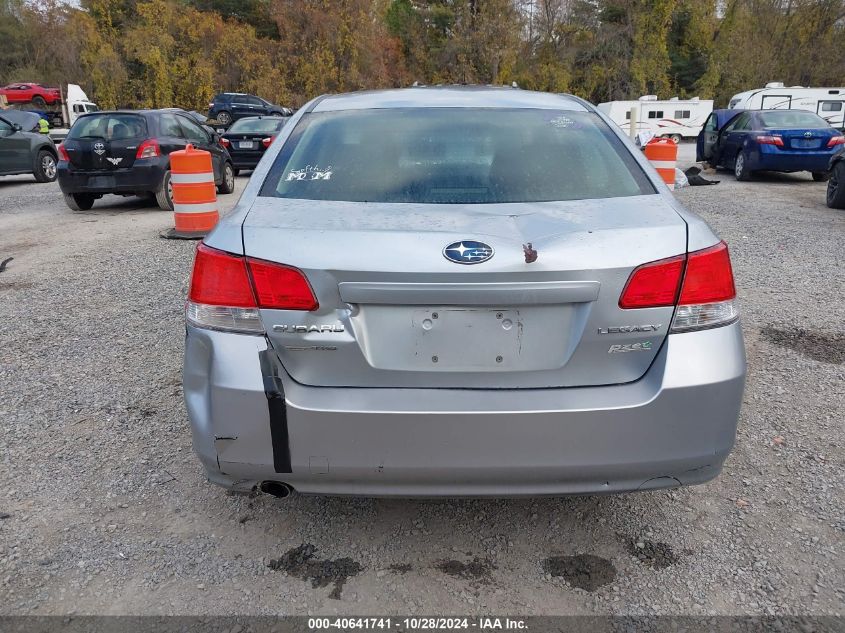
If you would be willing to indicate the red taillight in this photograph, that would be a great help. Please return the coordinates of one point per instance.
(220, 279)
(63, 155)
(225, 142)
(653, 285)
(268, 141)
(223, 279)
(709, 277)
(836, 140)
(766, 139)
(281, 287)
(148, 149)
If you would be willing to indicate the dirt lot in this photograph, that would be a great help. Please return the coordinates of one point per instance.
(103, 508)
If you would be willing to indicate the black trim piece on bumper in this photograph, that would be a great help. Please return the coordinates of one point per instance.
(278, 412)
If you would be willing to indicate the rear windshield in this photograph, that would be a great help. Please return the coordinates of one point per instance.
(792, 118)
(454, 155)
(260, 126)
(112, 127)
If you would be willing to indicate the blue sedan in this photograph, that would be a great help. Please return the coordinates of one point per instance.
(770, 140)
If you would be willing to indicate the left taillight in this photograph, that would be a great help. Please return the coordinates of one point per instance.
(227, 291)
(63, 155)
(770, 139)
(148, 149)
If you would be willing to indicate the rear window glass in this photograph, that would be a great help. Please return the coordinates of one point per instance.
(112, 127)
(454, 155)
(251, 126)
(792, 118)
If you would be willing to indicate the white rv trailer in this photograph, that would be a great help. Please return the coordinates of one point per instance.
(828, 103)
(674, 118)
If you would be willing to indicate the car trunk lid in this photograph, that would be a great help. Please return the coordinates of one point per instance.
(394, 312)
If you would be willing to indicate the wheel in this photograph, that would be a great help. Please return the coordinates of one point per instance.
(39, 101)
(676, 138)
(276, 113)
(836, 186)
(821, 176)
(45, 166)
(741, 170)
(79, 201)
(224, 118)
(228, 184)
(164, 196)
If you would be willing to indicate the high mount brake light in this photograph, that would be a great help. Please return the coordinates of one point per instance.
(148, 149)
(701, 284)
(228, 290)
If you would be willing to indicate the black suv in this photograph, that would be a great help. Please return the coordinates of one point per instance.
(127, 152)
(231, 106)
(25, 152)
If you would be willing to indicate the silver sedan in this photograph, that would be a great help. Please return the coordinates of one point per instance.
(460, 291)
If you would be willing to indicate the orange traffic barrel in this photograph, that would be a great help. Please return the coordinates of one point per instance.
(662, 153)
(194, 194)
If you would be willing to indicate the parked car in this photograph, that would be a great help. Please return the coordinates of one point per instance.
(836, 184)
(416, 296)
(35, 93)
(29, 121)
(127, 152)
(26, 152)
(231, 106)
(249, 137)
(771, 140)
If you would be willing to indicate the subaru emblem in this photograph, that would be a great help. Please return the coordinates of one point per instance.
(468, 252)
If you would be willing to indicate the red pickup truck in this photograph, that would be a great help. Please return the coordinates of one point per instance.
(36, 93)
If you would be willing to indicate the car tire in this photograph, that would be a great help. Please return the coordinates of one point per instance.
(224, 118)
(836, 186)
(227, 184)
(276, 113)
(164, 195)
(79, 201)
(39, 101)
(821, 176)
(676, 138)
(45, 166)
(741, 170)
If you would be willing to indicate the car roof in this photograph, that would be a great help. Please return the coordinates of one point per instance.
(450, 97)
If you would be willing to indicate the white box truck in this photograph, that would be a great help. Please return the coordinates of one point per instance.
(673, 118)
(828, 103)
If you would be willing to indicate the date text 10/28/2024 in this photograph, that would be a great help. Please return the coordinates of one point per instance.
(418, 624)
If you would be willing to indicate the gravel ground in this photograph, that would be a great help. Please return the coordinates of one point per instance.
(104, 509)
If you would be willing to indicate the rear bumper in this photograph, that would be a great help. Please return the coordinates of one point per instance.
(773, 159)
(144, 175)
(675, 426)
(245, 159)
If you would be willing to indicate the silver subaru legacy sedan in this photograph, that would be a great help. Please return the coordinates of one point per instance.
(464, 292)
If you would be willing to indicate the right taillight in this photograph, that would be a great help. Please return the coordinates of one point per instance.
(148, 149)
(700, 284)
(836, 140)
(227, 291)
